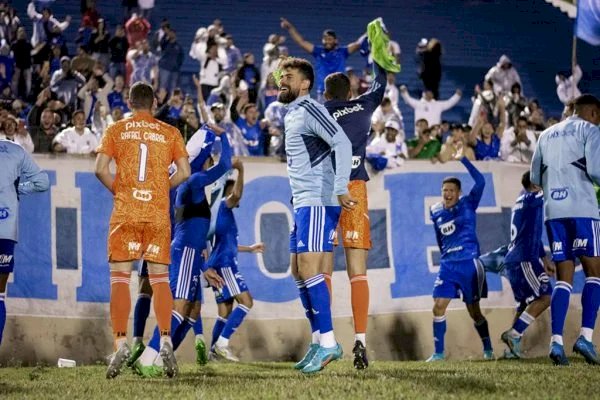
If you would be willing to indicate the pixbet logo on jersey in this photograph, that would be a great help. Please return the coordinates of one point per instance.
(347, 110)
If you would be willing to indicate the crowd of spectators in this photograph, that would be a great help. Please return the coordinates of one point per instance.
(52, 101)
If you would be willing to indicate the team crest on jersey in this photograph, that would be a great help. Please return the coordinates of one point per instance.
(4, 213)
(142, 195)
(448, 228)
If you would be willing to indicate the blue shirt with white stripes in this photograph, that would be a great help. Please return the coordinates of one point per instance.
(354, 116)
(319, 154)
(19, 175)
(566, 163)
(526, 227)
(224, 252)
(455, 227)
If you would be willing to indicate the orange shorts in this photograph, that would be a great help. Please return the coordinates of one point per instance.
(129, 241)
(354, 227)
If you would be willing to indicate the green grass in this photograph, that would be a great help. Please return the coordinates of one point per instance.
(535, 379)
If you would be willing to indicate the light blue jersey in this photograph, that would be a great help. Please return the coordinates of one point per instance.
(566, 163)
(19, 175)
(319, 154)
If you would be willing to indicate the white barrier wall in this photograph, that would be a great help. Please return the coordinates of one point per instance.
(61, 282)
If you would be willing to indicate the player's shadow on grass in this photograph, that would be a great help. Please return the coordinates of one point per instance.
(403, 340)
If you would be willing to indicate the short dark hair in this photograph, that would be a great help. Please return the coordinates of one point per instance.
(427, 131)
(526, 180)
(422, 120)
(141, 96)
(228, 183)
(454, 180)
(522, 118)
(586, 100)
(303, 66)
(386, 101)
(247, 107)
(330, 32)
(77, 112)
(337, 86)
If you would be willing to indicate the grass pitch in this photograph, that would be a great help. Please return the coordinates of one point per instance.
(530, 379)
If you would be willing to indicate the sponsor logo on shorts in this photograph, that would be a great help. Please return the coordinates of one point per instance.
(301, 243)
(134, 246)
(559, 194)
(332, 235)
(448, 228)
(5, 259)
(438, 282)
(142, 195)
(4, 213)
(580, 243)
(557, 247)
(153, 249)
(454, 249)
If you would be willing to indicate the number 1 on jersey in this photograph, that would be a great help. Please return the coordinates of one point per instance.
(143, 161)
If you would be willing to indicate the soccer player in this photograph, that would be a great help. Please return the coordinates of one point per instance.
(329, 57)
(224, 260)
(192, 221)
(143, 149)
(566, 164)
(454, 220)
(354, 116)
(19, 176)
(319, 160)
(528, 278)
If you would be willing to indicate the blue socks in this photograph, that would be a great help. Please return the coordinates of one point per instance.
(233, 322)
(2, 314)
(305, 299)
(140, 314)
(484, 334)
(217, 329)
(320, 305)
(439, 331)
(198, 327)
(179, 335)
(523, 323)
(558, 309)
(590, 300)
(176, 321)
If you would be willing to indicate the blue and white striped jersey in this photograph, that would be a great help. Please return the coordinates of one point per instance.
(19, 175)
(566, 162)
(319, 154)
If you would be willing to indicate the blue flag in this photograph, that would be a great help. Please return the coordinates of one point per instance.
(587, 25)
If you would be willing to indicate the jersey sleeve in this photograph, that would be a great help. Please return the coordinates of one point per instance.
(324, 126)
(201, 179)
(377, 89)
(34, 179)
(107, 144)
(317, 50)
(345, 52)
(476, 193)
(592, 145)
(178, 146)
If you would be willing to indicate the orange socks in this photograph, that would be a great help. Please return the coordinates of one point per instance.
(120, 304)
(329, 287)
(163, 301)
(360, 302)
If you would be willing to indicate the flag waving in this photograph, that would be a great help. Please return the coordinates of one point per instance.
(587, 25)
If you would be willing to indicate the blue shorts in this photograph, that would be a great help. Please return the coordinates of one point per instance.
(528, 281)
(466, 277)
(571, 238)
(184, 273)
(7, 256)
(314, 229)
(234, 284)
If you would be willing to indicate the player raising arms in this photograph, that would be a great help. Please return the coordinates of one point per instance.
(566, 163)
(19, 176)
(454, 220)
(354, 116)
(224, 260)
(319, 158)
(192, 221)
(143, 149)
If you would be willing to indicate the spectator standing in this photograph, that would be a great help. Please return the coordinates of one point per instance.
(388, 147)
(430, 70)
(171, 59)
(21, 49)
(137, 28)
(386, 112)
(118, 47)
(43, 127)
(486, 140)
(249, 74)
(252, 129)
(234, 55)
(92, 92)
(146, 7)
(518, 143)
(116, 98)
(515, 103)
(425, 146)
(428, 107)
(45, 27)
(566, 88)
(100, 44)
(211, 70)
(503, 75)
(456, 146)
(144, 64)
(275, 114)
(7, 65)
(65, 83)
(535, 115)
(77, 139)
(13, 130)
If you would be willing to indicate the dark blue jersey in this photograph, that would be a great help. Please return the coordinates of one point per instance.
(225, 249)
(484, 151)
(526, 226)
(354, 116)
(192, 212)
(455, 228)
